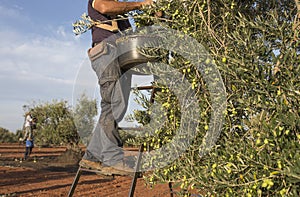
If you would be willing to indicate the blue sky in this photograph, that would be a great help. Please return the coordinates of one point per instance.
(41, 60)
(39, 55)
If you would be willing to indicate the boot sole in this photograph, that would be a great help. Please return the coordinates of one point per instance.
(86, 166)
(110, 171)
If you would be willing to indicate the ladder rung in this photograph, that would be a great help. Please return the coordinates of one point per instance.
(144, 87)
(131, 128)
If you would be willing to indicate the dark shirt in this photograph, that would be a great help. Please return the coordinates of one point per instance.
(99, 34)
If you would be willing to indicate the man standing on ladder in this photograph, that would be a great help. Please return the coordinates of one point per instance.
(28, 126)
(104, 152)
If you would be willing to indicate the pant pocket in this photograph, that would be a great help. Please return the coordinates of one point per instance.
(97, 51)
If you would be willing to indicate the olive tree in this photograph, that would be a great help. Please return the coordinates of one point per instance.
(84, 117)
(55, 124)
(255, 45)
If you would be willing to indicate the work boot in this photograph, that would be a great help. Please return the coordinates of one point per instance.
(119, 169)
(84, 163)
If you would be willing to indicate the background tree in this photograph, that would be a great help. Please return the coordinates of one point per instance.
(6, 136)
(256, 50)
(55, 124)
(19, 134)
(84, 117)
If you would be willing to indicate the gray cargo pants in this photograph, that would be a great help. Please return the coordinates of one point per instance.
(106, 145)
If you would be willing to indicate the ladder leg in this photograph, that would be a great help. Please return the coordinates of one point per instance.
(136, 173)
(171, 189)
(74, 184)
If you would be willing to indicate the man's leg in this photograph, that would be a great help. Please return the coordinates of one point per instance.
(27, 131)
(26, 153)
(30, 133)
(106, 144)
(30, 151)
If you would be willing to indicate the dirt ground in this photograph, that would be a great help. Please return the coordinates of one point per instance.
(51, 171)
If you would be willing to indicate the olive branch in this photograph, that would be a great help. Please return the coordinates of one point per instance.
(83, 25)
(86, 22)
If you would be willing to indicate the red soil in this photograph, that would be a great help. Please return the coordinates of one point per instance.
(50, 172)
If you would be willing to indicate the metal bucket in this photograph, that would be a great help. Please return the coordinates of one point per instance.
(128, 50)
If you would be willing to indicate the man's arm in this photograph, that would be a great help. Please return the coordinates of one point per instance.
(112, 7)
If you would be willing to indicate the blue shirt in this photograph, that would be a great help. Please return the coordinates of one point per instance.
(29, 143)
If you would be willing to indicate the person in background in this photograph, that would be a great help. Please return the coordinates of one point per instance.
(27, 126)
(104, 151)
(28, 147)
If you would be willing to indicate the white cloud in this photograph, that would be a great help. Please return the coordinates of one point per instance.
(14, 18)
(11, 115)
(40, 58)
(36, 67)
(13, 13)
(61, 31)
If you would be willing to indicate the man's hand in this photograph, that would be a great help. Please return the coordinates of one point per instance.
(147, 2)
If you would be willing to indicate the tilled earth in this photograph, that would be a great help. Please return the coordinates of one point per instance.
(51, 171)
